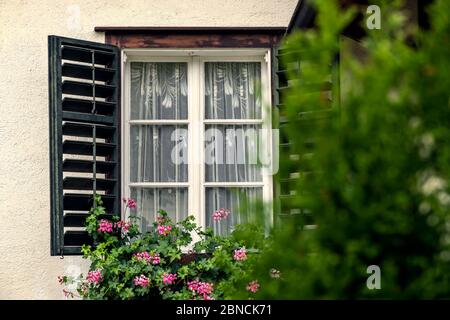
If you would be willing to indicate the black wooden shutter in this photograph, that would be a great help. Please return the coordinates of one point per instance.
(84, 107)
(292, 163)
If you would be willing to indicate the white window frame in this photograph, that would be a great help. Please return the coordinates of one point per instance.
(195, 59)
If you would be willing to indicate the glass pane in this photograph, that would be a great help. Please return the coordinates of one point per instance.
(231, 153)
(158, 153)
(158, 90)
(150, 200)
(240, 202)
(232, 90)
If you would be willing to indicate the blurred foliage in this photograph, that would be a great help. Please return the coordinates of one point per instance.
(377, 177)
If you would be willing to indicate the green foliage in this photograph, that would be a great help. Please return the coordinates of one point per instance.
(115, 260)
(376, 180)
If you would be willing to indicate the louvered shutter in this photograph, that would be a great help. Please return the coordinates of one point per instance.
(84, 107)
(294, 166)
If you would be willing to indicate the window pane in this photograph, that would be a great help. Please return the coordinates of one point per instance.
(231, 153)
(232, 90)
(149, 200)
(158, 153)
(241, 202)
(158, 90)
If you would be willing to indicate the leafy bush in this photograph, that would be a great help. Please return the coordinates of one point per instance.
(377, 179)
(163, 263)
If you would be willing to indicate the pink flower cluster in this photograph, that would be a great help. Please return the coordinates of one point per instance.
(122, 224)
(130, 203)
(164, 230)
(141, 281)
(94, 276)
(150, 258)
(240, 254)
(105, 226)
(220, 214)
(155, 259)
(169, 278)
(253, 286)
(204, 289)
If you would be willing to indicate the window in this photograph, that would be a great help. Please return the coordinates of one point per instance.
(193, 122)
(179, 130)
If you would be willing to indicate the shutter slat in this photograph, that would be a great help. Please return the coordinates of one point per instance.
(73, 165)
(74, 238)
(85, 72)
(85, 106)
(81, 54)
(85, 130)
(87, 89)
(79, 183)
(87, 118)
(83, 202)
(87, 148)
(84, 88)
(310, 87)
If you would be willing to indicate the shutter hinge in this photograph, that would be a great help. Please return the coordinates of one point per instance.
(124, 57)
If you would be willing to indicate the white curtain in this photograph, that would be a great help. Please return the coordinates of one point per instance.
(241, 202)
(149, 200)
(158, 92)
(232, 91)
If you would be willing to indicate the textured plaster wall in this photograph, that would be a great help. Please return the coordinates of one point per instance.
(27, 271)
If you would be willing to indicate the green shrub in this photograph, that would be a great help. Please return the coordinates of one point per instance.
(163, 263)
(377, 182)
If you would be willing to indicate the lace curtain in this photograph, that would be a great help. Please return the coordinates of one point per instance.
(159, 91)
(232, 91)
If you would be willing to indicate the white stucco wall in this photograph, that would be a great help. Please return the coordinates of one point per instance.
(27, 271)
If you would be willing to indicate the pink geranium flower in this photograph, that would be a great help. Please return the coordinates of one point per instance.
(203, 289)
(149, 258)
(130, 203)
(193, 285)
(105, 226)
(169, 278)
(143, 256)
(164, 230)
(220, 214)
(124, 225)
(141, 281)
(240, 254)
(155, 259)
(253, 286)
(94, 276)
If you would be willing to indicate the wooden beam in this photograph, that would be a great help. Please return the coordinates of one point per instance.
(190, 30)
(192, 37)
